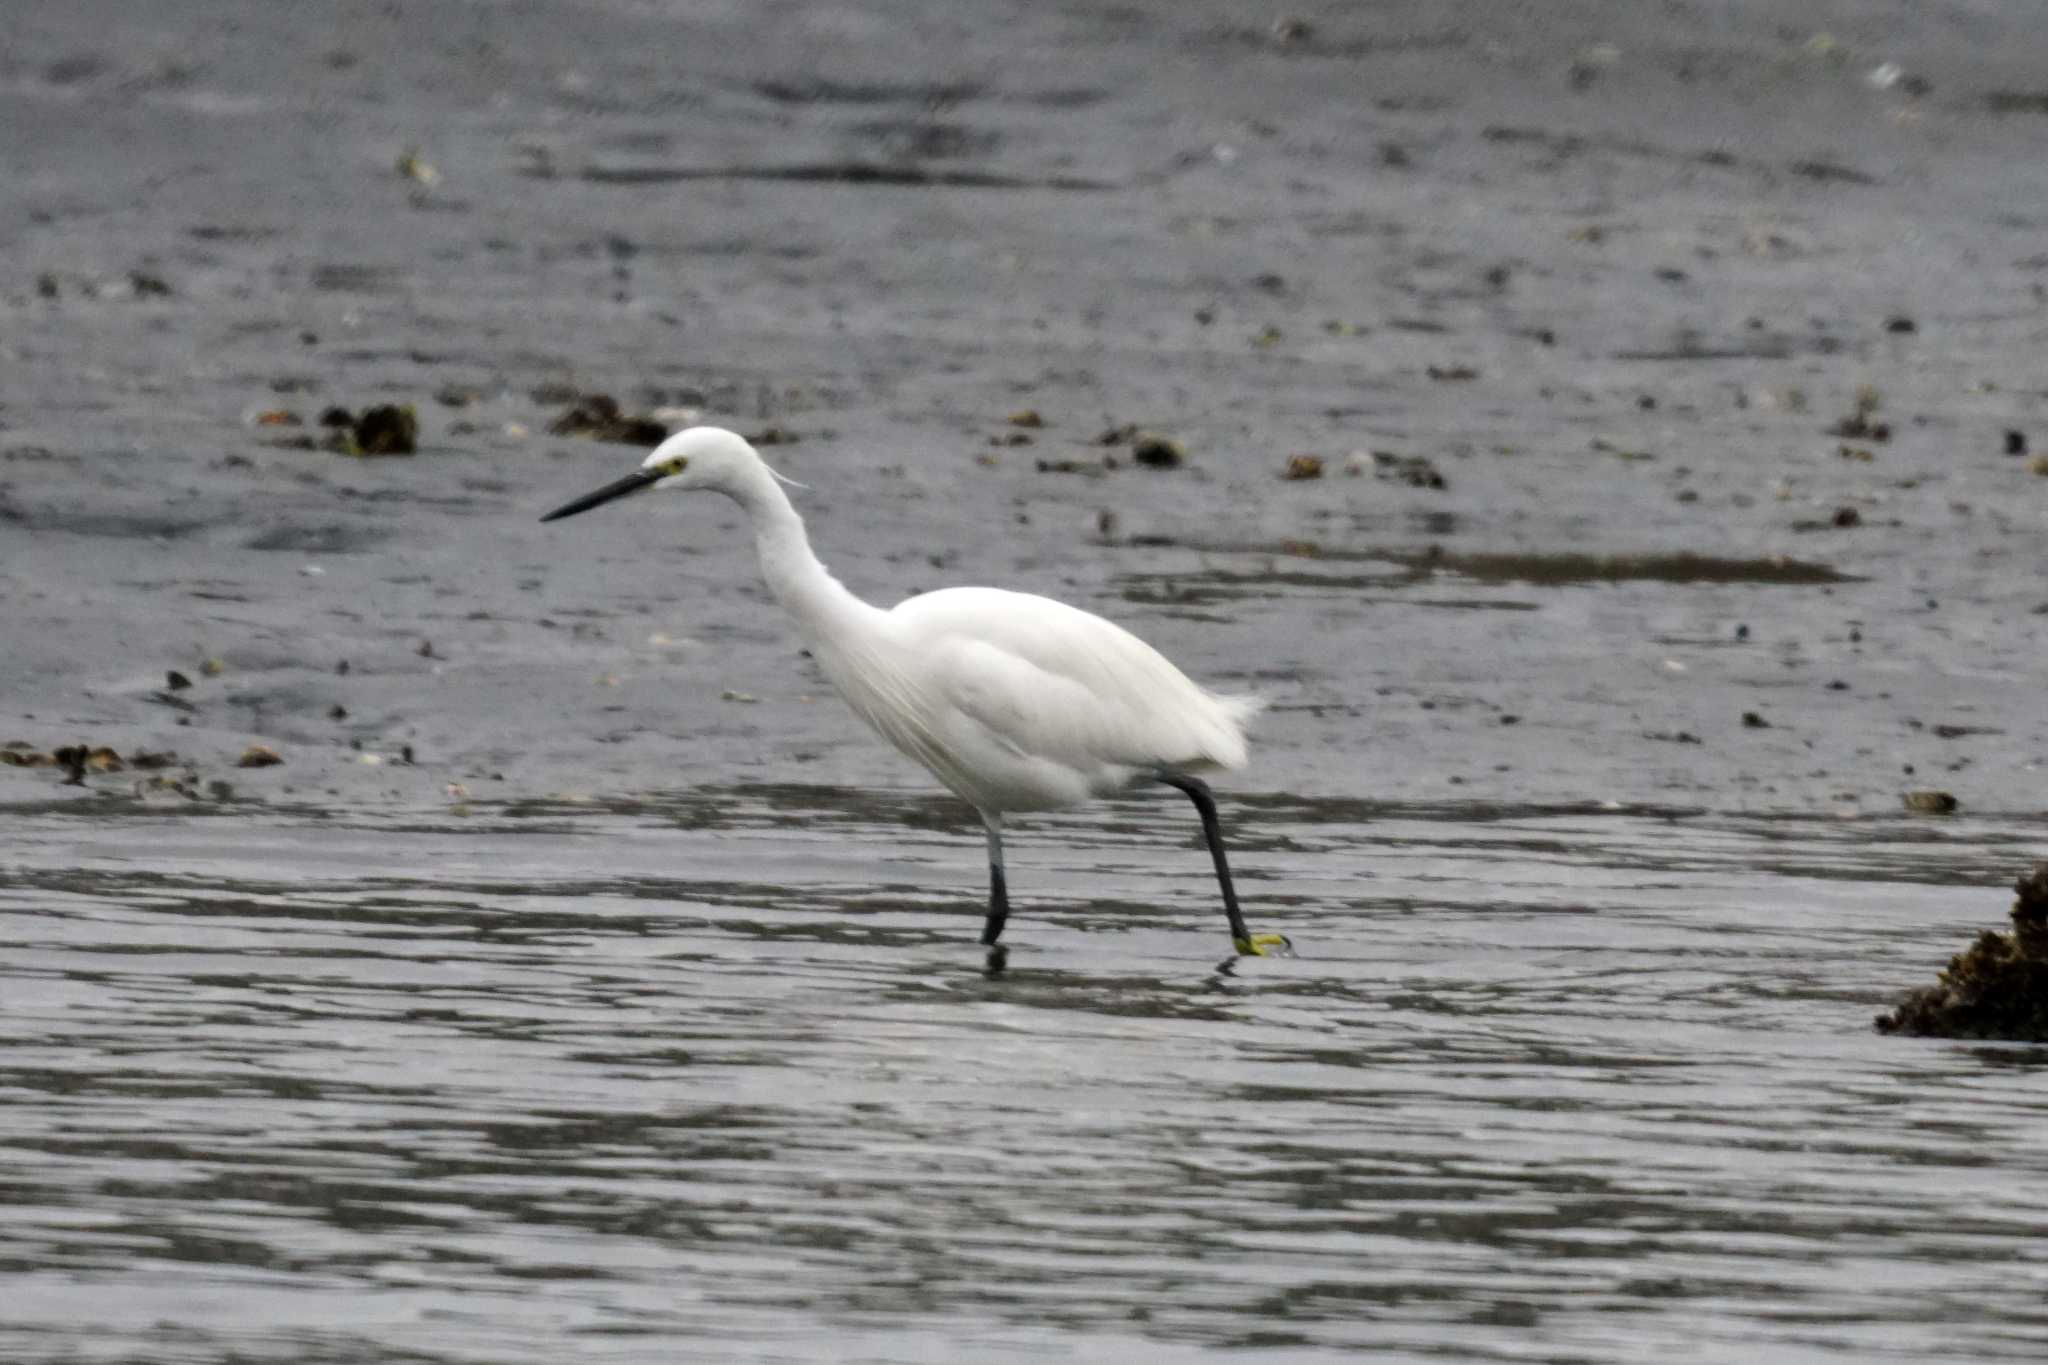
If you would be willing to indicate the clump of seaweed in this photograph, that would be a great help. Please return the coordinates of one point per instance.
(1995, 988)
(387, 429)
(598, 417)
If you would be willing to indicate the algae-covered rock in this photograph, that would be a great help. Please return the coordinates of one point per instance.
(1995, 988)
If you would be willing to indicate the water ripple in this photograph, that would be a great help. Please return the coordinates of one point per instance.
(720, 1073)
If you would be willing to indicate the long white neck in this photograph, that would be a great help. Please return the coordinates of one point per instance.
(823, 607)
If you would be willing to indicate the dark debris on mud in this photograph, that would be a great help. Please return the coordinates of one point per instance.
(384, 429)
(1995, 988)
(598, 417)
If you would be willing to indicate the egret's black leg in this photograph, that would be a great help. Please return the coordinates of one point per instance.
(998, 889)
(1212, 831)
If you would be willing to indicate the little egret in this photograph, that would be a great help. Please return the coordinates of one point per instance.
(1014, 702)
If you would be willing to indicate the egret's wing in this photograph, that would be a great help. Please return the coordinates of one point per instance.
(1051, 681)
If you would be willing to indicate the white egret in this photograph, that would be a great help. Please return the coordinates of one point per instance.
(1014, 702)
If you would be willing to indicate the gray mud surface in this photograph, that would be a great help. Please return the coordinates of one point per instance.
(586, 983)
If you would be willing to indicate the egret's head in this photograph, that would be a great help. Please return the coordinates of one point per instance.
(700, 457)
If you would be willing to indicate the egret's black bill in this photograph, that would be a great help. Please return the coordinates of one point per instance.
(632, 483)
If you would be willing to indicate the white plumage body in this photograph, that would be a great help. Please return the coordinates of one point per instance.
(1017, 702)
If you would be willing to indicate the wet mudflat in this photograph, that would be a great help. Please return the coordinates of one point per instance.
(719, 1076)
(1611, 438)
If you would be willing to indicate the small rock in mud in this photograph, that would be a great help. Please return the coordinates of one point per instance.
(416, 168)
(1753, 721)
(1303, 467)
(1930, 802)
(1094, 469)
(1858, 425)
(1451, 374)
(1901, 325)
(2015, 442)
(77, 760)
(176, 681)
(1413, 470)
(1995, 988)
(259, 756)
(771, 436)
(596, 417)
(1026, 417)
(387, 429)
(1846, 517)
(1155, 451)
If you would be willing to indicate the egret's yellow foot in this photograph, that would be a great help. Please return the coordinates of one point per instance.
(1265, 945)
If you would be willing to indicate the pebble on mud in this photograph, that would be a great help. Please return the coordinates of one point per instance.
(1414, 470)
(417, 169)
(597, 417)
(1930, 802)
(1025, 417)
(1858, 426)
(1303, 467)
(387, 429)
(2015, 441)
(80, 759)
(1155, 451)
(1094, 469)
(259, 756)
(1995, 988)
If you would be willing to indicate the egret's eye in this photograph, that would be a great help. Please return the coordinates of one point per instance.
(674, 467)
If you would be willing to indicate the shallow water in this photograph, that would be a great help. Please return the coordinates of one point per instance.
(721, 1076)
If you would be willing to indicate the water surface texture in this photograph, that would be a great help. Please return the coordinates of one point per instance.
(554, 1081)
